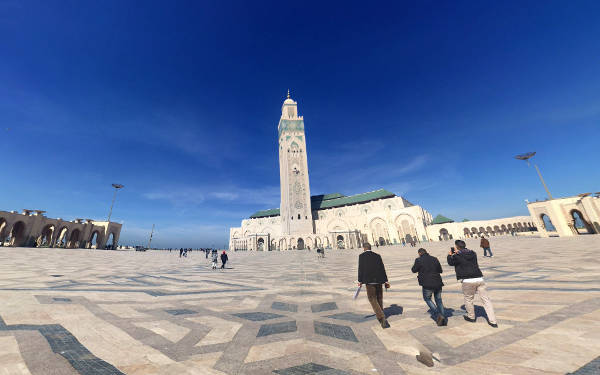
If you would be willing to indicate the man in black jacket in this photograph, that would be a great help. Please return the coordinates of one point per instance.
(371, 272)
(429, 269)
(469, 274)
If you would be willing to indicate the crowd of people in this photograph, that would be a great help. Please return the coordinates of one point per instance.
(372, 274)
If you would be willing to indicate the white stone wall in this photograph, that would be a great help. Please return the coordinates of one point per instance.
(560, 216)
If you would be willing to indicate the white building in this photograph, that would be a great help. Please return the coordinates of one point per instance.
(332, 220)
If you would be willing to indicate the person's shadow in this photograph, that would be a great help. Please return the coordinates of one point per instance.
(393, 309)
(479, 311)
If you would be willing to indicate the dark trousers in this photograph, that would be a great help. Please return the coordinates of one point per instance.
(223, 264)
(375, 295)
(487, 250)
(437, 295)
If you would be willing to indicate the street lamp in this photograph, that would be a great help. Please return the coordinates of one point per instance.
(117, 187)
(528, 156)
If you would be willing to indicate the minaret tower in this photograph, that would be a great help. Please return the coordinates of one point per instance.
(295, 209)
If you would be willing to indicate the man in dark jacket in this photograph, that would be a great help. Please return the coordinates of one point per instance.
(469, 274)
(224, 259)
(429, 269)
(371, 272)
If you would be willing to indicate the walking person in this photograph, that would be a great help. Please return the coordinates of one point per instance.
(371, 272)
(180, 252)
(485, 245)
(468, 273)
(224, 259)
(206, 253)
(215, 256)
(429, 269)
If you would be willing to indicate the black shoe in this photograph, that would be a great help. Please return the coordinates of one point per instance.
(385, 324)
(495, 325)
(469, 319)
(440, 320)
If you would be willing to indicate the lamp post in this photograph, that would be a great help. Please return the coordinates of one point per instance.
(117, 187)
(528, 156)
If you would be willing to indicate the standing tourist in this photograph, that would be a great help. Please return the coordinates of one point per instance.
(180, 252)
(371, 272)
(224, 259)
(215, 256)
(485, 245)
(429, 269)
(469, 274)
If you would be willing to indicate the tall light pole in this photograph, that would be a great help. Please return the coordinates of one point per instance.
(528, 156)
(117, 187)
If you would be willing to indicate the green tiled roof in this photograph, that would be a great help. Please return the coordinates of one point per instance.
(440, 219)
(320, 202)
(265, 213)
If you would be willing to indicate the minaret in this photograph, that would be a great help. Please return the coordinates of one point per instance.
(295, 209)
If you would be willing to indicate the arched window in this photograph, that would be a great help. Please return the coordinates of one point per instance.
(548, 223)
(298, 216)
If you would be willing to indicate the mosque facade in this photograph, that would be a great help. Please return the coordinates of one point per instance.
(305, 221)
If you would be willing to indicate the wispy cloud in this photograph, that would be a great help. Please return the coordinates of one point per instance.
(185, 196)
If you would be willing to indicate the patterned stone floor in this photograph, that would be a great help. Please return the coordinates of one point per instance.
(107, 312)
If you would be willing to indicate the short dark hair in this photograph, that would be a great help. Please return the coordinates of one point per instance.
(460, 244)
(422, 251)
(367, 246)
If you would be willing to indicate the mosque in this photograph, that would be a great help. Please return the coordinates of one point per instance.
(305, 221)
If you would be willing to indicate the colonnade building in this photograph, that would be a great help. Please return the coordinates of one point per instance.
(32, 228)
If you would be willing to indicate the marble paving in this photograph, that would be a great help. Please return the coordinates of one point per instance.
(108, 312)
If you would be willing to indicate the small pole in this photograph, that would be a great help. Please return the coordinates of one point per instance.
(151, 233)
(111, 205)
(543, 182)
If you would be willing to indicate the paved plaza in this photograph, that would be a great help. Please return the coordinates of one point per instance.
(110, 312)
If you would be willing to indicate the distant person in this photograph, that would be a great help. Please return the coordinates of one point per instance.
(429, 269)
(469, 274)
(485, 245)
(180, 252)
(215, 256)
(371, 272)
(206, 253)
(224, 259)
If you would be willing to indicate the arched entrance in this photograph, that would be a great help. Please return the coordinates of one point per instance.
(46, 236)
(94, 240)
(74, 239)
(444, 235)
(547, 223)
(3, 228)
(581, 225)
(61, 240)
(409, 239)
(261, 244)
(300, 244)
(381, 241)
(17, 234)
(340, 242)
(110, 242)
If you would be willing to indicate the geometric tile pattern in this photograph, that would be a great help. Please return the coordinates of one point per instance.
(335, 330)
(275, 328)
(154, 313)
(310, 369)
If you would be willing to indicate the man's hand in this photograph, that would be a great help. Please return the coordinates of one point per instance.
(359, 284)
(450, 252)
(387, 285)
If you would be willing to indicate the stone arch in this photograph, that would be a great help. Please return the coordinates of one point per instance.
(17, 234)
(466, 232)
(110, 241)
(489, 230)
(337, 224)
(309, 243)
(45, 238)
(3, 229)
(481, 230)
(474, 231)
(61, 239)
(503, 227)
(340, 241)
(318, 242)
(379, 231)
(444, 234)
(547, 223)
(497, 230)
(300, 244)
(260, 244)
(283, 244)
(74, 239)
(95, 239)
(273, 245)
(581, 225)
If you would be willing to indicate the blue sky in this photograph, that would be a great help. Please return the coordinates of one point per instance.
(179, 101)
